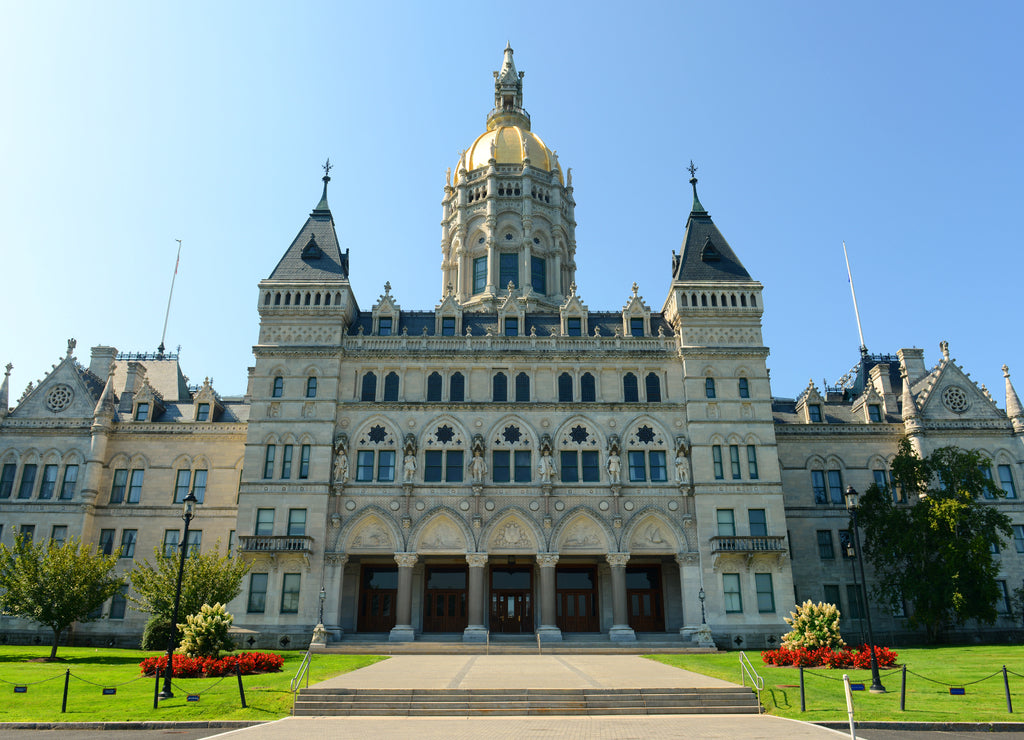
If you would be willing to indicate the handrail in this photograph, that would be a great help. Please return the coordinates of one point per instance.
(488, 642)
(538, 644)
(747, 671)
(303, 671)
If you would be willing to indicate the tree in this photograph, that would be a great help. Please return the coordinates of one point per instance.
(936, 550)
(56, 585)
(209, 578)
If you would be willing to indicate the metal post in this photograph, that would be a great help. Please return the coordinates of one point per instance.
(156, 687)
(67, 678)
(241, 689)
(187, 516)
(903, 691)
(876, 680)
(1006, 683)
(803, 696)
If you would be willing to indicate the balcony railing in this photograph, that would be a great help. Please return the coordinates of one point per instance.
(748, 544)
(272, 544)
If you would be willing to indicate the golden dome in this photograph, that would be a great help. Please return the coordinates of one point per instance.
(510, 145)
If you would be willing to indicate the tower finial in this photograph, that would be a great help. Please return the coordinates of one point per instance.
(322, 206)
(697, 207)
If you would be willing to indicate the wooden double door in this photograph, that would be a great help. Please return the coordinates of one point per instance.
(445, 600)
(511, 600)
(378, 594)
(576, 602)
(644, 598)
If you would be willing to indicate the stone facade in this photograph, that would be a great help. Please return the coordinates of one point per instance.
(510, 461)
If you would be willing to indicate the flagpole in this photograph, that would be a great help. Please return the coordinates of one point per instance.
(856, 312)
(167, 315)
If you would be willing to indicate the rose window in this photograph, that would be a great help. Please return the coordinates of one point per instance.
(59, 398)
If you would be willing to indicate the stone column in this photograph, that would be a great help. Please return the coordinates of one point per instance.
(403, 631)
(620, 631)
(339, 562)
(548, 629)
(492, 262)
(476, 630)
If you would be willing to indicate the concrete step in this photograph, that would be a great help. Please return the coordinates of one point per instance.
(509, 702)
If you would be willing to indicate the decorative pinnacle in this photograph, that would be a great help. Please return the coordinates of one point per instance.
(10, 366)
(322, 205)
(1006, 371)
(327, 170)
(693, 169)
(635, 289)
(697, 207)
(387, 288)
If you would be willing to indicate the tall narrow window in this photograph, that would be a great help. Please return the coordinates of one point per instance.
(268, 461)
(499, 388)
(744, 388)
(501, 466)
(508, 264)
(826, 548)
(142, 412)
(835, 486)
(590, 466)
(264, 522)
(479, 274)
(814, 412)
(432, 466)
(257, 593)
(457, 388)
(637, 468)
(195, 541)
(7, 479)
(118, 605)
(277, 389)
(28, 481)
(539, 275)
(522, 388)
(630, 388)
(716, 458)
(386, 466)
(731, 592)
(311, 386)
(59, 534)
(106, 546)
(296, 522)
(290, 593)
(752, 461)
(286, 462)
(570, 466)
(118, 487)
(726, 519)
(565, 388)
(511, 326)
(171, 542)
(203, 412)
(818, 486)
(523, 472)
(874, 412)
(574, 326)
(653, 383)
(49, 483)
(434, 387)
(128, 538)
(709, 387)
(447, 326)
(1006, 481)
(734, 461)
(67, 487)
(758, 523)
(384, 326)
(765, 593)
(636, 326)
(304, 462)
(391, 387)
(659, 471)
(369, 389)
(588, 388)
(364, 466)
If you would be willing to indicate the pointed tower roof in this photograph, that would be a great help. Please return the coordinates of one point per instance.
(706, 255)
(1014, 410)
(315, 254)
(5, 390)
(508, 96)
(106, 406)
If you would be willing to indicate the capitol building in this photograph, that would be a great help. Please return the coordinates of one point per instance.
(521, 457)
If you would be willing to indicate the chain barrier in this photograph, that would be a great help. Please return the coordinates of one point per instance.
(198, 693)
(31, 683)
(948, 685)
(109, 685)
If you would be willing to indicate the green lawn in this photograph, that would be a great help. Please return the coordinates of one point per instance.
(267, 694)
(926, 701)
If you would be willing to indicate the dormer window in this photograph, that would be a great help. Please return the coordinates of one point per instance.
(814, 412)
(636, 326)
(447, 326)
(511, 326)
(384, 327)
(709, 253)
(574, 326)
(874, 412)
(203, 412)
(142, 412)
(312, 250)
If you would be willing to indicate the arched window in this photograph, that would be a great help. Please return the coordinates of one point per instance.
(327, 299)
(457, 388)
(753, 301)
(391, 387)
(630, 389)
(522, 388)
(434, 387)
(588, 392)
(744, 388)
(266, 300)
(287, 299)
(703, 299)
(709, 387)
(653, 383)
(311, 386)
(743, 300)
(369, 388)
(565, 388)
(499, 388)
(278, 388)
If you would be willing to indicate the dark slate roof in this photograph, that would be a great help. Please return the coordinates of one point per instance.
(318, 240)
(414, 322)
(705, 255)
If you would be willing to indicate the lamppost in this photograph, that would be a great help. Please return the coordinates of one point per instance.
(323, 596)
(703, 616)
(188, 513)
(852, 499)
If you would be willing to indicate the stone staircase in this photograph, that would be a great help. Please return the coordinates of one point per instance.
(316, 702)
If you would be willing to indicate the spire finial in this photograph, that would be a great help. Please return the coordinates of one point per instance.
(72, 343)
(327, 170)
(10, 366)
(944, 347)
(697, 207)
(322, 206)
(635, 289)
(693, 169)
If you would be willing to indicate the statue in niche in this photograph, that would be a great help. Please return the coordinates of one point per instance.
(477, 467)
(408, 468)
(614, 461)
(682, 466)
(341, 460)
(546, 467)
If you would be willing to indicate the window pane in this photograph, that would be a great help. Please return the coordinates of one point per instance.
(128, 537)
(384, 326)
(765, 592)
(574, 326)
(637, 466)
(257, 593)
(835, 486)
(591, 466)
(7, 480)
(311, 383)
(448, 326)
(391, 387)
(659, 473)
(1006, 481)
(731, 591)
(508, 264)
(874, 412)
(142, 412)
(826, 550)
(479, 274)
(1018, 537)
(709, 387)
(752, 461)
(500, 466)
(636, 326)
(726, 523)
(565, 388)
(758, 523)
(538, 275)
(369, 389)
(118, 487)
(290, 593)
(831, 593)
(195, 539)
(28, 481)
(434, 387)
(814, 412)
(171, 542)
(296, 522)
(264, 522)
(499, 388)
(855, 603)
(511, 326)
(818, 486)
(364, 465)
(522, 388)
(744, 385)
(457, 388)
(49, 484)
(734, 461)
(570, 472)
(286, 462)
(135, 486)
(630, 388)
(386, 466)
(268, 462)
(524, 468)
(59, 534)
(653, 383)
(278, 388)
(588, 390)
(432, 460)
(67, 488)
(106, 541)
(716, 457)
(304, 462)
(453, 472)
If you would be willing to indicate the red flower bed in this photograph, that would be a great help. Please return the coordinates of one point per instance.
(185, 667)
(846, 658)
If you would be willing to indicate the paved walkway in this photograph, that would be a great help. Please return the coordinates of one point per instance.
(521, 671)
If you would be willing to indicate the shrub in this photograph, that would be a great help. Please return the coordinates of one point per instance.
(186, 667)
(205, 635)
(157, 634)
(814, 626)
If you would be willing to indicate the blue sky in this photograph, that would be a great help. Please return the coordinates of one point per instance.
(894, 126)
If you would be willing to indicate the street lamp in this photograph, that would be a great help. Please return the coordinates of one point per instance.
(323, 596)
(701, 595)
(187, 514)
(852, 498)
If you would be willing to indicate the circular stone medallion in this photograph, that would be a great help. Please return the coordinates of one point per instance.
(59, 398)
(955, 399)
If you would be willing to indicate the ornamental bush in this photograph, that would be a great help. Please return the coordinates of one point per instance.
(186, 667)
(814, 626)
(205, 635)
